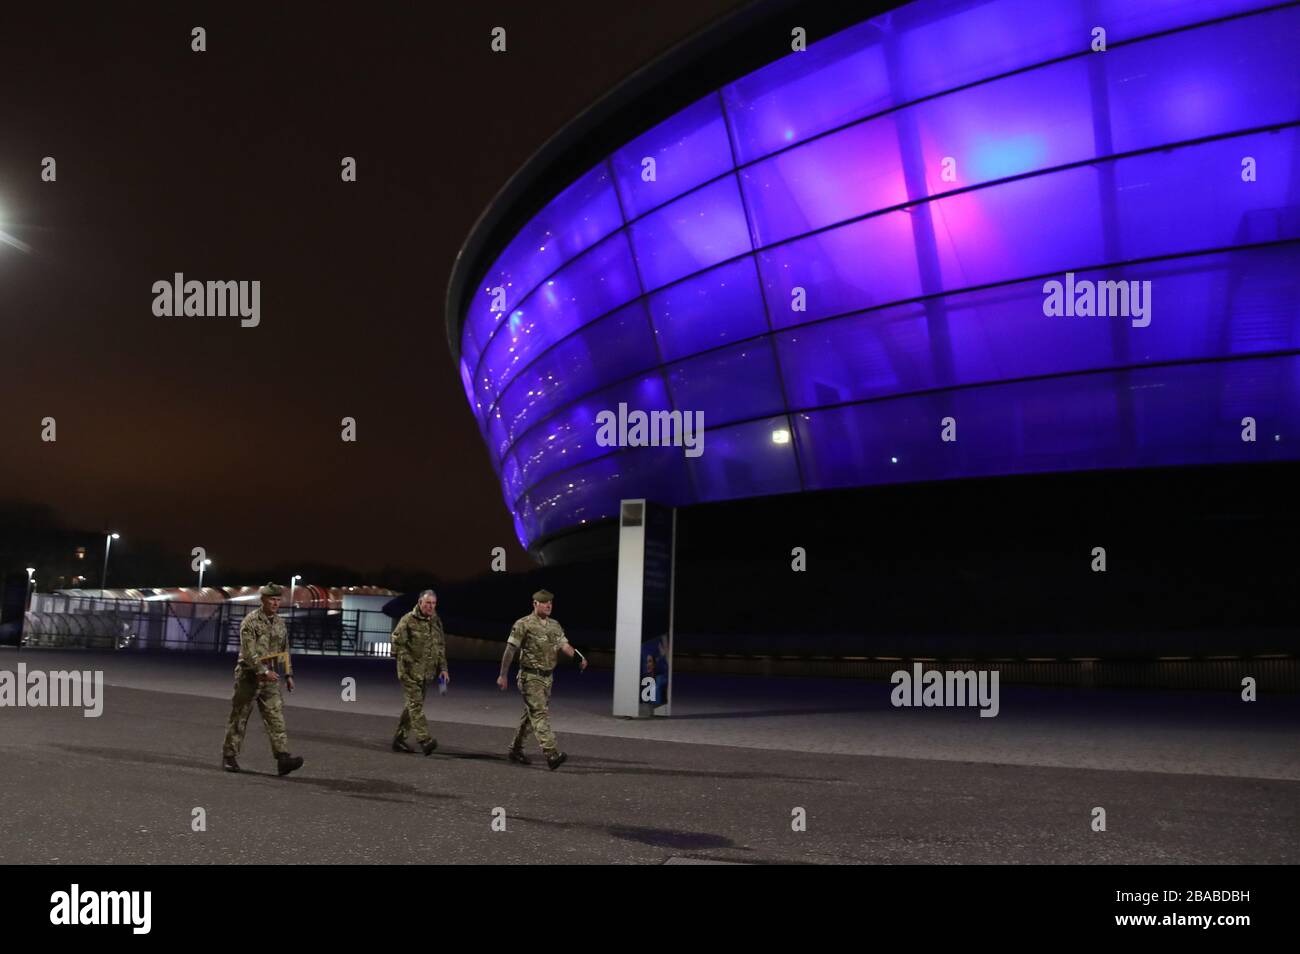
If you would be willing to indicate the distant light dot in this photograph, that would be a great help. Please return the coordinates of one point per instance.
(893, 460)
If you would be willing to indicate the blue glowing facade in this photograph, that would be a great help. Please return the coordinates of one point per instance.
(841, 250)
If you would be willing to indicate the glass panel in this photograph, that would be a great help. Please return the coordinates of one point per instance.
(511, 480)
(746, 460)
(938, 46)
(730, 384)
(1210, 305)
(1028, 227)
(698, 230)
(1200, 82)
(597, 282)
(944, 45)
(721, 305)
(604, 351)
(592, 492)
(836, 80)
(1160, 416)
(861, 356)
(868, 263)
(825, 182)
(1152, 192)
(571, 436)
(688, 149)
(1019, 124)
(572, 222)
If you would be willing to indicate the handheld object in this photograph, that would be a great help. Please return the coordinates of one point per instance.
(278, 662)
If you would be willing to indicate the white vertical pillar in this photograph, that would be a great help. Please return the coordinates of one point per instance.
(627, 617)
(667, 708)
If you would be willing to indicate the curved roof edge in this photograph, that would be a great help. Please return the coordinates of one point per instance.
(726, 49)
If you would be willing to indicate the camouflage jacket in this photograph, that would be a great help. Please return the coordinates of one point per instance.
(538, 641)
(419, 643)
(260, 635)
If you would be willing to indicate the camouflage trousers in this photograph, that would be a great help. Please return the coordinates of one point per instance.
(536, 691)
(413, 690)
(269, 704)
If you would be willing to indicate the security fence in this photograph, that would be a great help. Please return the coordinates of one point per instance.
(88, 622)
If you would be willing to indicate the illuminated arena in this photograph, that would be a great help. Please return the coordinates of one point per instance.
(874, 261)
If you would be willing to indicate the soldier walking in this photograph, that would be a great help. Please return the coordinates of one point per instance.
(262, 636)
(420, 647)
(536, 638)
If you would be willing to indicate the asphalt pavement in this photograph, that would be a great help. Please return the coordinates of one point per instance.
(1183, 777)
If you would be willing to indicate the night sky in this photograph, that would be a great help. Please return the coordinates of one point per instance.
(225, 165)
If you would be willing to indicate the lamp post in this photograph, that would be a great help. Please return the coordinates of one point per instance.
(103, 579)
(293, 585)
(31, 586)
(202, 566)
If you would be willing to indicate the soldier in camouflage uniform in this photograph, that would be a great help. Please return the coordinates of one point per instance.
(421, 651)
(536, 638)
(262, 633)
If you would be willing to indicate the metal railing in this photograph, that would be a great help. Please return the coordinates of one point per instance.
(82, 622)
(88, 622)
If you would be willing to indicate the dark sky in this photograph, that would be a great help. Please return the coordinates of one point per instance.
(225, 165)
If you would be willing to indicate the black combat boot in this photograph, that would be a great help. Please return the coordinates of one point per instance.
(517, 755)
(229, 764)
(286, 763)
(428, 747)
(555, 761)
(399, 744)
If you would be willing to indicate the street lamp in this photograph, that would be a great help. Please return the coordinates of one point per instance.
(31, 585)
(203, 566)
(103, 579)
(293, 584)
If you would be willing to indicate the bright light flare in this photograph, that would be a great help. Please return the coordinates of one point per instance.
(7, 239)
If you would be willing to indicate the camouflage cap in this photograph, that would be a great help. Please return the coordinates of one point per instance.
(271, 589)
(543, 596)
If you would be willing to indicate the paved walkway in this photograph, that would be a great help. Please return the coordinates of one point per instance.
(1174, 732)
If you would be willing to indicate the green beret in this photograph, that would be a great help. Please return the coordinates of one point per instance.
(543, 596)
(271, 589)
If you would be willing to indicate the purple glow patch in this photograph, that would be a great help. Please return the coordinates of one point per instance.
(824, 182)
